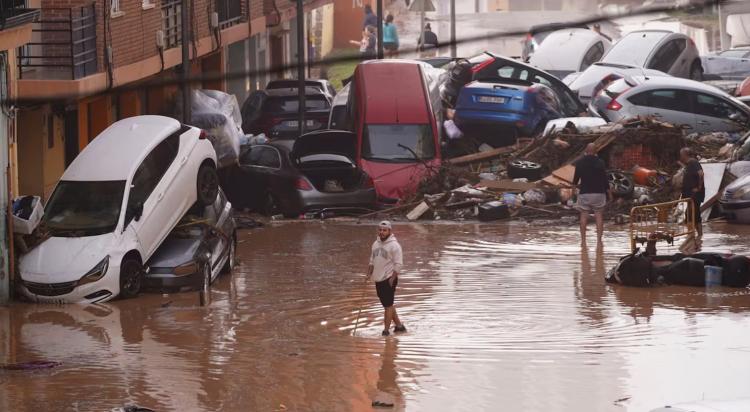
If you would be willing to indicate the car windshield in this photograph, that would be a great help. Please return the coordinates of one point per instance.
(290, 104)
(79, 209)
(634, 48)
(398, 142)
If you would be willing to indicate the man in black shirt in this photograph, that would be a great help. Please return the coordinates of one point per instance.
(592, 191)
(692, 185)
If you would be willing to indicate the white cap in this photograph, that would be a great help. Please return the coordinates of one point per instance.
(385, 225)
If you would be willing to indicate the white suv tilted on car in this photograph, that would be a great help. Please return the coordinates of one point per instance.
(114, 206)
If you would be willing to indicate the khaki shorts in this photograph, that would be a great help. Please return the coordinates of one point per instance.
(591, 202)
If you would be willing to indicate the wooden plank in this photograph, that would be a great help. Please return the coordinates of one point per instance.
(507, 185)
(418, 211)
(475, 157)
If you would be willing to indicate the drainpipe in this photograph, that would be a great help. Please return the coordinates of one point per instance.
(184, 10)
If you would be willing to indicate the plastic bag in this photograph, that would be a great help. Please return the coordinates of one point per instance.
(219, 115)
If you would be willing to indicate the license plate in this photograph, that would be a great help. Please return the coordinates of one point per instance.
(295, 123)
(492, 99)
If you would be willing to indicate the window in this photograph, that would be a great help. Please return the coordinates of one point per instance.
(84, 208)
(171, 22)
(147, 4)
(665, 57)
(389, 142)
(592, 56)
(707, 105)
(506, 72)
(661, 99)
(151, 171)
(114, 7)
(262, 156)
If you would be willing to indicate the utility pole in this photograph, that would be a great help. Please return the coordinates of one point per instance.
(185, 39)
(380, 29)
(453, 29)
(301, 64)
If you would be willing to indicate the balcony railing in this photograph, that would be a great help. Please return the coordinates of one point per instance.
(13, 13)
(230, 12)
(63, 45)
(171, 22)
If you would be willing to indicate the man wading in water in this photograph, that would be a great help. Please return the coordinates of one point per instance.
(386, 261)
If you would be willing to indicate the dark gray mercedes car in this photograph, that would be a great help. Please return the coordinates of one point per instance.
(203, 242)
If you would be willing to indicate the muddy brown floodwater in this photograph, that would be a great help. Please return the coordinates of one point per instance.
(500, 316)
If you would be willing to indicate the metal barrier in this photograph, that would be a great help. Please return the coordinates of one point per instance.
(668, 220)
(230, 13)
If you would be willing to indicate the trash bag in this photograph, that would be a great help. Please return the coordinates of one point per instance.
(736, 272)
(632, 270)
(219, 115)
(688, 271)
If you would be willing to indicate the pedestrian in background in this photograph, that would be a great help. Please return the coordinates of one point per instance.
(390, 37)
(592, 191)
(386, 261)
(370, 18)
(367, 43)
(692, 185)
(427, 44)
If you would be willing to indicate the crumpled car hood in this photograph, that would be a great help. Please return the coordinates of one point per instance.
(64, 259)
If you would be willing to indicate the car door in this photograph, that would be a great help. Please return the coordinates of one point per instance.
(712, 114)
(669, 58)
(147, 192)
(667, 105)
(258, 166)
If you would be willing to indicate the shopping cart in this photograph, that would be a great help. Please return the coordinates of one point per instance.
(661, 221)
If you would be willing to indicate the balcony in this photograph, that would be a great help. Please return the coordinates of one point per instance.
(63, 45)
(230, 13)
(13, 13)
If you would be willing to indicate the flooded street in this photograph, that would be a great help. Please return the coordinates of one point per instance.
(499, 317)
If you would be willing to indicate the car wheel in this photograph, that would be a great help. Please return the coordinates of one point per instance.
(519, 168)
(620, 184)
(131, 278)
(696, 72)
(231, 256)
(207, 185)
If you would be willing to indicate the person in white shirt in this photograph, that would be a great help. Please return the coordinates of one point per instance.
(386, 261)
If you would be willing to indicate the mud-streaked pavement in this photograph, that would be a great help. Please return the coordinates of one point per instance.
(500, 317)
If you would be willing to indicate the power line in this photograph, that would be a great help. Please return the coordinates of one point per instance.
(354, 57)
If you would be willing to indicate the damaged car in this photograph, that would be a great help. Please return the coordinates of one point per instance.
(203, 245)
(644, 52)
(691, 105)
(313, 173)
(108, 214)
(735, 202)
(500, 111)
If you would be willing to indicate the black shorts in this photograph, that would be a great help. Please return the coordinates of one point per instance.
(697, 202)
(390, 46)
(386, 292)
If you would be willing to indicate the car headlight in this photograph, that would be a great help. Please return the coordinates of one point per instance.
(96, 273)
(742, 194)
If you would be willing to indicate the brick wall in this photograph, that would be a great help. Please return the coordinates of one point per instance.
(256, 8)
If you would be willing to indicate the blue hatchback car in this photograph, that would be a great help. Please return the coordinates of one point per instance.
(498, 111)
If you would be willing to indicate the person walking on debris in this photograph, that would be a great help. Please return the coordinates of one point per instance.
(390, 37)
(592, 191)
(427, 44)
(386, 260)
(692, 185)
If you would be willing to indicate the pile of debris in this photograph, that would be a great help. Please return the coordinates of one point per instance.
(534, 179)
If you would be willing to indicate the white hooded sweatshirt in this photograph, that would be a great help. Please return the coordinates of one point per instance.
(386, 258)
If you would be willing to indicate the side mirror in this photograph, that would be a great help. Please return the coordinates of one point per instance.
(137, 211)
(735, 117)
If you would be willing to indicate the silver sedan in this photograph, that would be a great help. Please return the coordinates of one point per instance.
(691, 105)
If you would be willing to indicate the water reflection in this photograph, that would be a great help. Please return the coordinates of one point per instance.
(500, 316)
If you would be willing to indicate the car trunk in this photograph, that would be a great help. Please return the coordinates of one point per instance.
(325, 158)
